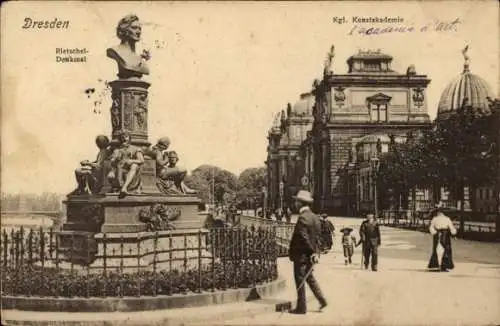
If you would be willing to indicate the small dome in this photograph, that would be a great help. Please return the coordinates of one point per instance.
(303, 106)
(465, 86)
(469, 86)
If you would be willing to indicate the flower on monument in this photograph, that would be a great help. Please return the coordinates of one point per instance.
(146, 54)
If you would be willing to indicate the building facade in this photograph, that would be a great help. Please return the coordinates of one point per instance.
(355, 116)
(349, 116)
(332, 139)
(284, 162)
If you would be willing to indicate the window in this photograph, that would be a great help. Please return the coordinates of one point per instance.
(372, 65)
(378, 112)
(378, 105)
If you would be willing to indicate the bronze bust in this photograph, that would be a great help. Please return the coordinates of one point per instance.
(129, 63)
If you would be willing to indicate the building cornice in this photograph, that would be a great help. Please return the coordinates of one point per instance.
(370, 80)
(378, 125)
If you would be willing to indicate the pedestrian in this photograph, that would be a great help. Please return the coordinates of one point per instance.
(370, 240)
(348, 242)
(327, 232)
(304, 251)
(441, 228)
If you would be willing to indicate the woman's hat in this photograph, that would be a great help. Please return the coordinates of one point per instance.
(346, 230)
(304, 196)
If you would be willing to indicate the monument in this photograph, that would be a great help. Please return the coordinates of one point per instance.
(132, 190)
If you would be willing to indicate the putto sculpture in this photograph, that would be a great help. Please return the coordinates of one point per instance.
(90, 174)
(126, 161)
(170, 176)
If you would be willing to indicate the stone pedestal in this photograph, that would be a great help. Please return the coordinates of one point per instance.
(94, 222)
(129, 111)
(132, 252)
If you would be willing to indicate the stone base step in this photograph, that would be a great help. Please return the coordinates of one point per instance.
(169, 317)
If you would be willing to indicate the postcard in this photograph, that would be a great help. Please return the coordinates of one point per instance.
(250, 163)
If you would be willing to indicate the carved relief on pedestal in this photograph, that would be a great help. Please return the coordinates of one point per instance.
(418, 96)
(129, 111)
(158, 217)
(339, 96)
(116, 110)
(128, 107)
(141, 113)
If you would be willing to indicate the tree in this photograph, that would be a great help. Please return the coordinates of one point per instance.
(250, 183)
(212, 182)
(452, 154)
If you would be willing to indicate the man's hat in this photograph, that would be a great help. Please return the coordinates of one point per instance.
(304, 196)
(346, 230)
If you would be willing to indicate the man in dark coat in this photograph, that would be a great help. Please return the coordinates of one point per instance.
(304, 251)
(370, 239)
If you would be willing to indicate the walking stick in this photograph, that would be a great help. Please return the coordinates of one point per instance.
(305, 278)
(362, 254)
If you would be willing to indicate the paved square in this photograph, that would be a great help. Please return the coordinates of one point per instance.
(402, 292)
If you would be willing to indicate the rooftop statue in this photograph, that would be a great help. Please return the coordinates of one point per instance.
(328, 62)
(466, 58)
(129, 63)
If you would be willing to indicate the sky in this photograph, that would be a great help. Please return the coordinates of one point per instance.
(219, 73)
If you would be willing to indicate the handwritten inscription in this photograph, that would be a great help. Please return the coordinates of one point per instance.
(435, 26)
(45, 24)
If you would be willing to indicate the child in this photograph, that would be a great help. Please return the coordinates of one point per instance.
(348, 242)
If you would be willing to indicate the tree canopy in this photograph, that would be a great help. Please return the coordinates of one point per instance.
(452, 153)
(250, 183)
(223, 182)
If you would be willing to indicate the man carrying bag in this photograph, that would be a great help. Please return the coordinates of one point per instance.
(304, 251)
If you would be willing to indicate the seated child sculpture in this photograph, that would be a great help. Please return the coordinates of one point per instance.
(126, 161)
(89, 175)
(170, 177)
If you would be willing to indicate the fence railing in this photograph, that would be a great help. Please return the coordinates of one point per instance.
(34, 264)
(424, 224)
(284, 231)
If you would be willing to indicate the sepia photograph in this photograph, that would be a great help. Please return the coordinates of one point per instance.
(250, 163)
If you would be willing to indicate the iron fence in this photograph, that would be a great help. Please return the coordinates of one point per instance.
(34, 263)
(284, 231)
(476, 231)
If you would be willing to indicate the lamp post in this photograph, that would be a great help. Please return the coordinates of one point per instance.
(264, 204)
(375, 165)
(282, 192)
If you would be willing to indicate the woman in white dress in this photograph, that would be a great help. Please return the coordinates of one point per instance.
(441, 228)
